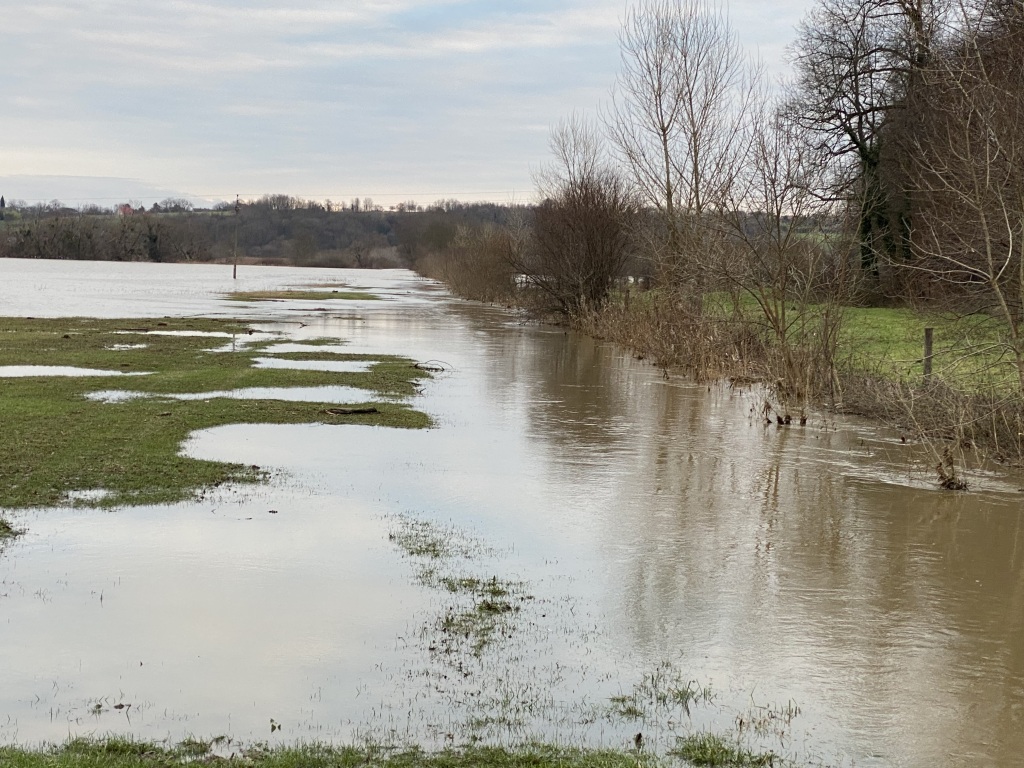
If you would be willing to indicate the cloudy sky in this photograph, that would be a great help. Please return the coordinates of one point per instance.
(108, 100)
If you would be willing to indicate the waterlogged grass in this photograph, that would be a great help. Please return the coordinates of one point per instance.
(480, 611)
(57, 441)
(489, 588)
(659, 693)
(712, 749)
(430, 541)
(119, 753)
(302, 295)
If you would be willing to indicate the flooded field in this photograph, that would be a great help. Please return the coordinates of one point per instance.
(579, 549)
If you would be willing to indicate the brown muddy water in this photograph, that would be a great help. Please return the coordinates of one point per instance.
(659, 560)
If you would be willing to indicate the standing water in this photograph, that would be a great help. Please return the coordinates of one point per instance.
(656, 558)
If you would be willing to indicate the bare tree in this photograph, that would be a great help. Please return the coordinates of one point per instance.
(581, 236)
(785, 255)
(678, 116)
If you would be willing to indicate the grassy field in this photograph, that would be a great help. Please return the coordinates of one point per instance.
(58, 441)
(970, 352)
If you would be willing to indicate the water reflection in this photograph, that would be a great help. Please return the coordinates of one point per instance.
(815, 563)
(670, 523)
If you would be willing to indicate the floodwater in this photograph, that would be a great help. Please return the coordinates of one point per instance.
(812, 577)
(15, 371)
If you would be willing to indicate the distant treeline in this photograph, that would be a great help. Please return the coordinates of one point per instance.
(274, 229)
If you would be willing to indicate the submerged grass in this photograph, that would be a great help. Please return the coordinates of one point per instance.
(58, 441)
(121, 753)
(659, 692)
(431, 541)
(302, 295)
(480, 611)
(712, 749)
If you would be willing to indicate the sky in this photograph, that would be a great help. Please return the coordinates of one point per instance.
(106, 101)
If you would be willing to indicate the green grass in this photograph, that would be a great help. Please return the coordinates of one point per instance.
(969, 352)
(713, 750)
(301, 295)
(7, 531)
(58, 441)
(121, 753)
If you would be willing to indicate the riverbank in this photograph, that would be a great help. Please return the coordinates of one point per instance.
(963, 403)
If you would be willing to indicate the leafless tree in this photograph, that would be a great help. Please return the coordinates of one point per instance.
(678, 118)
(581, 234)
(785, 255)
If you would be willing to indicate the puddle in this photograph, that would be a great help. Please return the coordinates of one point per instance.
(18, 371)
(125, 347)
(90, 495)
(326, 394)
(187, 334)
(289, 348)
(334, 366)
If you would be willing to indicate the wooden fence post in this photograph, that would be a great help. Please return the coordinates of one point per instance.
(928, 353)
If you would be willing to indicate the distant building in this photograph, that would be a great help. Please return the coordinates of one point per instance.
(125, 210)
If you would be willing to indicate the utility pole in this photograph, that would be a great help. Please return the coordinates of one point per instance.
(234, 269)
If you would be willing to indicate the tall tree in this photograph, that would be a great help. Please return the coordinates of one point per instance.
(678, 115)
(858, 63)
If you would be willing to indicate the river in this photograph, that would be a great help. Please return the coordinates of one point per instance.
(839, 608)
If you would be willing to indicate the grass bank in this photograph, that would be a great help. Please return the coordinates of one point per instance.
(118, 436)
(699, 750)
(868, 361)
(117, 753)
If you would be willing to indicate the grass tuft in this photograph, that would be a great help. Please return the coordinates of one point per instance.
(661, 690)
(8, 531)
(709, 749)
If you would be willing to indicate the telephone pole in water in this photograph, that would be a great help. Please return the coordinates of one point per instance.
(234, 269)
